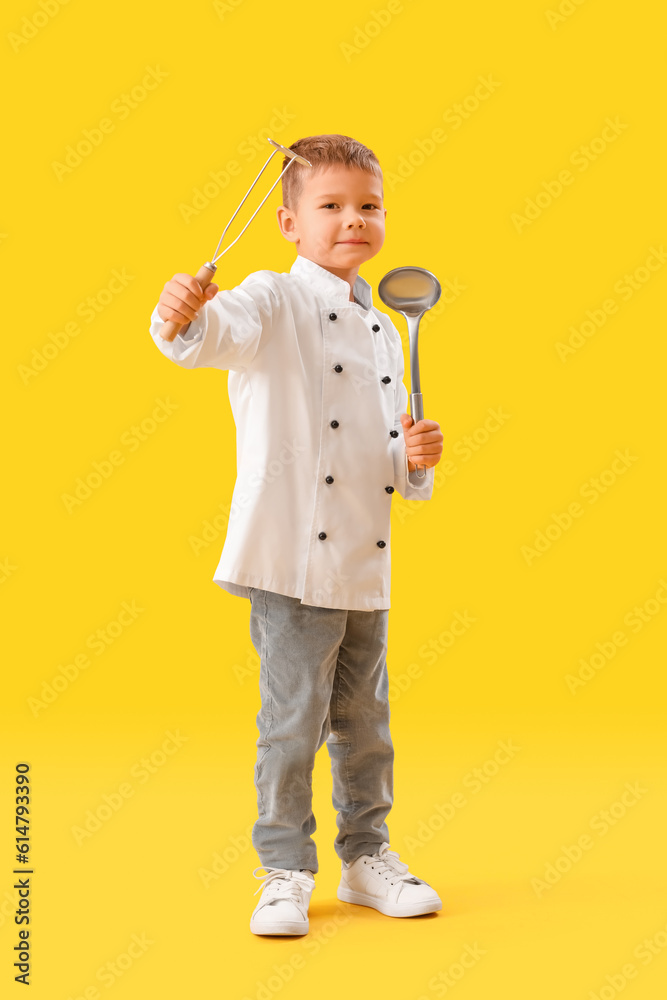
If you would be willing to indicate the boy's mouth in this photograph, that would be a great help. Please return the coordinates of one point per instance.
(353, 241)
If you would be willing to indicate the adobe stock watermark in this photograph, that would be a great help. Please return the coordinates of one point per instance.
(98, 642)
(474, 781)
(248, 149)
(380, 371)
(224, 7)
(8, 909)
(647, 949)
(222, 860)
(571, 854)
(292, 789)
(110, 972)
(465, 448)
(212, 528)
(32, 24)
(451, 291)
(7, 569)
(251, 668)
(596, 318)
(564, 11)
(635, 619)
(111, 802)
(454, 117)
(581, 158)
(104, 468)
(430, 652)
(333, 582)
(591, 491)
(121, 108)
(446, 979)
(284, 972)
(88, 310)
(384, 363)
(364, 33)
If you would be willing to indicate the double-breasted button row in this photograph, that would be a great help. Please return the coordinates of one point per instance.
(330, 480)
(381, 544)
(334, 423)
(375, 328)
(386, 379)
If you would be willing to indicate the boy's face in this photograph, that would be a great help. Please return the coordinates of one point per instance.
(338, 204)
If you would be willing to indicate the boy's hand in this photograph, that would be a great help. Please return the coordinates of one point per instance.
(423, 442)
(182, 298)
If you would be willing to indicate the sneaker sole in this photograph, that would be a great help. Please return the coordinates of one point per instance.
(385, 906)
(279, 927)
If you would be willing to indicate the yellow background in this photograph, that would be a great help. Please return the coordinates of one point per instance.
(387, 74)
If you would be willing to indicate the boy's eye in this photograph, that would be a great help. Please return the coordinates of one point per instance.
(332, 203)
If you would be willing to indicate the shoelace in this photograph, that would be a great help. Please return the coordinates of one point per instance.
(385, 860)
(278, 883)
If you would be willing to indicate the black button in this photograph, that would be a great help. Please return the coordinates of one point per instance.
(381, 545)
(389, 489)
(375, 328)
(323, 534)
(329, 479)
(332, 316)
(338, 368)
(394, 434)
(386, 379)
(334, 423)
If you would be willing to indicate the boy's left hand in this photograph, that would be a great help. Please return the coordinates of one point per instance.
(423, 442)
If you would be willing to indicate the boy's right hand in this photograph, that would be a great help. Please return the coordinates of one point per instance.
(182, 298)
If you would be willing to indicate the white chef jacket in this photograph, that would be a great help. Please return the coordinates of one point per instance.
(316, 389)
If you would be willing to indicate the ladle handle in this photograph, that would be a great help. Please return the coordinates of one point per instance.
(204, 276)
(417, 414)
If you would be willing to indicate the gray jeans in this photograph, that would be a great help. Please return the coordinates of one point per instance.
(323, 676)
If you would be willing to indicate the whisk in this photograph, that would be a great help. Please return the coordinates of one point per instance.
(204, 276)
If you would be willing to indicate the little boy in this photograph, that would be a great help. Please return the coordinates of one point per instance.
(323, 440)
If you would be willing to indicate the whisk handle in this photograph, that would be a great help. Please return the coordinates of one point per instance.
(204, 276)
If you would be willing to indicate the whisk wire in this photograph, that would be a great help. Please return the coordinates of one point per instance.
(217, 255)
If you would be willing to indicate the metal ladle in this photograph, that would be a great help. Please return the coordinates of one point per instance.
(411, 291)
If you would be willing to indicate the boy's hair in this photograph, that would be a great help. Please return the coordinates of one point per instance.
(322, 151)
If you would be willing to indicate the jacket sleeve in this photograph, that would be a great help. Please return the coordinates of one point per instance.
(408, 484)
(229, 329)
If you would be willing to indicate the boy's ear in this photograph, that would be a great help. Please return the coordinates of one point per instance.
(286, 223)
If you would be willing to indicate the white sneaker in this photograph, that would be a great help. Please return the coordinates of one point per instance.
(283, 905)
(384, 882)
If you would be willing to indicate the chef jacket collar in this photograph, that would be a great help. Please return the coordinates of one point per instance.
(336, 289)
